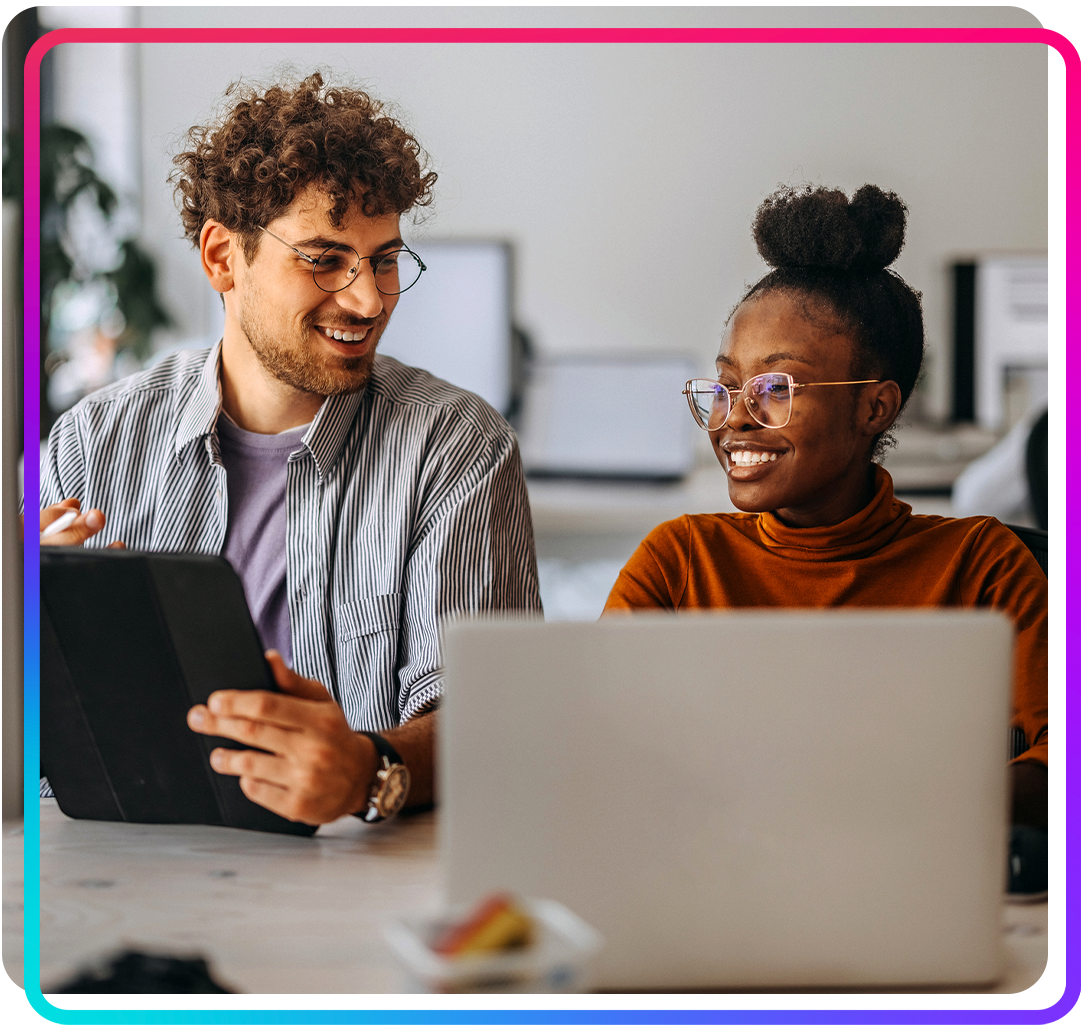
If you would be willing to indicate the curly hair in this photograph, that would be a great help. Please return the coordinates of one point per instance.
(245, 169)
(826, 248)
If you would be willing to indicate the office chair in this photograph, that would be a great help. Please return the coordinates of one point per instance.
(1036, 541)
(1028, 869)
(1037, 469)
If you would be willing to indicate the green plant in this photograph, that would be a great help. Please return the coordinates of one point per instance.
(122, 272)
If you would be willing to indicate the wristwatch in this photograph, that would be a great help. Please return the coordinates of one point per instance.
(391, 785)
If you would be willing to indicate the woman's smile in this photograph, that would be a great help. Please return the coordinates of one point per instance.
(747, 463)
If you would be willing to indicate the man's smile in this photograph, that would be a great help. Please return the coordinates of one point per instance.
(345, 335)
(354, 339)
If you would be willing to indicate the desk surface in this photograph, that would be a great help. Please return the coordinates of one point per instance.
(271, 913)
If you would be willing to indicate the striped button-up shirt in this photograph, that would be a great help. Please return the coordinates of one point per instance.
(406, 505)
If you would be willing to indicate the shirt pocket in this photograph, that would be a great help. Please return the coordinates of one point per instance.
(367, 648)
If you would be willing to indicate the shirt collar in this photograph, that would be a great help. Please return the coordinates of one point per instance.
(866, 531)
(326, 435)
(324, 440)
(201, 409)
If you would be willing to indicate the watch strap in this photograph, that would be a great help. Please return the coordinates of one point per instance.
(383, 746)
(388, 755)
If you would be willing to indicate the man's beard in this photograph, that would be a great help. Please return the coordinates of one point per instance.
(299, 364)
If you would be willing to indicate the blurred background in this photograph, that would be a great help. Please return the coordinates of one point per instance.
(591, 230)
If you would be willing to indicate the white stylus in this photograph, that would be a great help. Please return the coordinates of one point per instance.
(65, 520)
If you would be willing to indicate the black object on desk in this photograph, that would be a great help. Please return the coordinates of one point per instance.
(129, 642)
(142, 973)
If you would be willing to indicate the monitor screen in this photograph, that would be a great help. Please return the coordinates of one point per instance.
(608, 416)
(456, 321)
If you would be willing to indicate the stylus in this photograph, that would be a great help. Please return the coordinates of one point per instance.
(65, 520)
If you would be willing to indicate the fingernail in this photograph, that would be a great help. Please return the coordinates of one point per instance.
(214, 704)
(216, 758)
(95, 520)
(196, 718)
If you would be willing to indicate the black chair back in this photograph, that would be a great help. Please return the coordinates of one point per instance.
(1036, 542)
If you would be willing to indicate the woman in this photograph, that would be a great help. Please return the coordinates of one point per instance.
(816, 362)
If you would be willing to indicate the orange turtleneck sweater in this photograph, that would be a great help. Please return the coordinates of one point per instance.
(882, 556)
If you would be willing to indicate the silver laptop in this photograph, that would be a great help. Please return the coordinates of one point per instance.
(750, 799)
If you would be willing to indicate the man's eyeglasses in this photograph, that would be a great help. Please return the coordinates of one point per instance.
(394, 271)
(768, 399)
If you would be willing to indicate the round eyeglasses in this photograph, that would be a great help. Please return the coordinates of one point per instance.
(394, 271)
(767, 398)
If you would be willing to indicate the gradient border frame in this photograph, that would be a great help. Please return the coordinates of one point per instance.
(31, 430)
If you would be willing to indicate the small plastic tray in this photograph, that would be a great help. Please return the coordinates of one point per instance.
(559, 960)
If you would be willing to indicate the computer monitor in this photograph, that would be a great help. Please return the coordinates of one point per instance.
(457, 322)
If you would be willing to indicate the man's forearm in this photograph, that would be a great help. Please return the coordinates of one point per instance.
(414, 741)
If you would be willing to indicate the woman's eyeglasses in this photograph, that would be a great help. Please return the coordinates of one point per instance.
(767, 397)
(394, 271)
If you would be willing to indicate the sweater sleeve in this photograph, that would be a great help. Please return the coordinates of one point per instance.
(654, 578)
(1010, 579)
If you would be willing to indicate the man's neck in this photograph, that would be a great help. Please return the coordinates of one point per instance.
(257, 401)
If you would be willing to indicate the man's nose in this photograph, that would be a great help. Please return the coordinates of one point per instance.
(361, 297)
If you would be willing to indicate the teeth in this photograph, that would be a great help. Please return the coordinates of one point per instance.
(746, 458)
(343, 336)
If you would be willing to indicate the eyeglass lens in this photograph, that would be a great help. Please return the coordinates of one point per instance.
(768, 398)
(393, 272)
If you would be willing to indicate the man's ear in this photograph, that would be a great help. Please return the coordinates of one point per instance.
(220, 255)
(879, 408)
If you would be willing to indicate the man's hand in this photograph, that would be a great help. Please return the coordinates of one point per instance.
(82, 528)
(315, 770)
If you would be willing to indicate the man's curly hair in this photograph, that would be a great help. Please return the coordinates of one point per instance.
(245, 169)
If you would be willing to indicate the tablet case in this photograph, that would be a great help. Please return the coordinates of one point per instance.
(129, 642)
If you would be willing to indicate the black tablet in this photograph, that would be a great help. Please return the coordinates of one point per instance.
(129, 642)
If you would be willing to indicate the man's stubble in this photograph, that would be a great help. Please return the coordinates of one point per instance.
(299, 364)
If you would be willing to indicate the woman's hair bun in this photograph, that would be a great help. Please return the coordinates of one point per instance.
(817, 227)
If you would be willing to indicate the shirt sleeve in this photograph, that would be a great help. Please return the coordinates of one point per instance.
(654, 578)
(62, 451)
(1010, 579)
(62, 468)
(474, 554)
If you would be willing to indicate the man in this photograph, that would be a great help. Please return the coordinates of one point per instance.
(362, 502)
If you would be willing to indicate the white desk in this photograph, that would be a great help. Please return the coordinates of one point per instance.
(271, 913)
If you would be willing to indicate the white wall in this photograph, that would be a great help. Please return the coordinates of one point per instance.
(627, 175)
(94, 92)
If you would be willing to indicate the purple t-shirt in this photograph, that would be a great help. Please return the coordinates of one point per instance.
(256, 526)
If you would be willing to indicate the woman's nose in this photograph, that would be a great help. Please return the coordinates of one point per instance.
(739, 417)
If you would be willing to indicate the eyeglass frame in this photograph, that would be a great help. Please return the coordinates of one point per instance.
(353, 271)
(688, 392)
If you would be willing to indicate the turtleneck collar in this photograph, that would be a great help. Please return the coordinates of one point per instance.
(873, 527)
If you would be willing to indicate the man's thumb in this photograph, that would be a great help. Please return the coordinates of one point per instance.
(294, 684)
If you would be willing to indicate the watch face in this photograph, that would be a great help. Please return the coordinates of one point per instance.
(393, 791)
